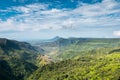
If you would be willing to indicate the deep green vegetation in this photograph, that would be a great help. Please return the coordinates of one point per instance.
(63, 59)
(80, 59)
(61, 49)
(88, 46)
(5, 71)
(17, 59)
(89, 67)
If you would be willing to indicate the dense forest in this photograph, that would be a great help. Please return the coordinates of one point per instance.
(89, 67)
(60, 59)
(17, 59)
(59, 39)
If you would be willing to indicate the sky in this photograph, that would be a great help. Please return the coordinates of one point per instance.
(44, 19)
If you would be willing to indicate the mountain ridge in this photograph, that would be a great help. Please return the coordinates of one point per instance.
(17, 59)
(22, 62)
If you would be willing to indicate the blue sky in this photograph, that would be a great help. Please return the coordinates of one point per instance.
(44, 19)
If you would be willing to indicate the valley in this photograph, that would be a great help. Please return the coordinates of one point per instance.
(60, 59)
(59, 39)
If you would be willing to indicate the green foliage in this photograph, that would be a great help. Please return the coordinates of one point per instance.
(17, 60)
(5, 71)
(104, 67)
(88, 46)
(76, 59)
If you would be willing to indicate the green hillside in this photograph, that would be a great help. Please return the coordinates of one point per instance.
(85, 46)
(73, 59)
(17, 59)
(89, 67)
(66, 48)
(81, 59)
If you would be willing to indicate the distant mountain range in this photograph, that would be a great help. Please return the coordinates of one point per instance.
(60, 42)
(65, 48)
(67, 57)
(79, 59)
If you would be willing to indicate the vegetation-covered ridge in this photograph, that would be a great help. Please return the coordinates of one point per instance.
(73, 59)
(60, 48)
(17, 59)
(81, 59)
(89, 67)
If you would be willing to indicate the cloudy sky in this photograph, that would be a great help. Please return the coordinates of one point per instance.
(44, 19)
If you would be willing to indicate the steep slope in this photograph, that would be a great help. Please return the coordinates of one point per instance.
(95, 67)
(7, 45)
(65, 48)
(5, 71)
(83, 46)
(43, 60)
(82, 59)
(17, 59)
(61, 42)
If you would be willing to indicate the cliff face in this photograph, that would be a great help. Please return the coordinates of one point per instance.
(17, 59)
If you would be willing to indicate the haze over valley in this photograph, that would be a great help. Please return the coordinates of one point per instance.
(59, 40)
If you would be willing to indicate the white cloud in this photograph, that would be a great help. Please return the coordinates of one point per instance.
(36, 17)
(30, 8)
(116, 33)
(98, 9)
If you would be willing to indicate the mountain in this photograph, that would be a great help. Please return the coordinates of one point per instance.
(80, 59)
(60, 42)
(7, 45)
(44, 60)
(55, 42)
(64, 59)
(17, 59)
(64, 48)
(87, 67)
(5, 71)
